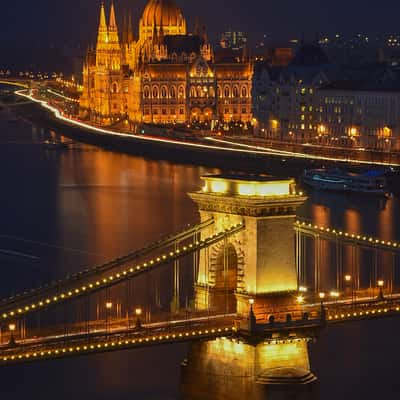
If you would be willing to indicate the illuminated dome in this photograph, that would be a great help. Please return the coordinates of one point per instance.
(162, 13)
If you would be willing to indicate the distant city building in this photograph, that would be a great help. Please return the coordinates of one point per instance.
(284, 101)
(234, 40)
(361, 113)
(314, 101)
(165, 75)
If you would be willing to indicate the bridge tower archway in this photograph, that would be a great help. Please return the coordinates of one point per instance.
(225, 268)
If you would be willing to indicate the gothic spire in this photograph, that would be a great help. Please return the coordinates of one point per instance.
(113, 23)
(103, 31)
(112, 27)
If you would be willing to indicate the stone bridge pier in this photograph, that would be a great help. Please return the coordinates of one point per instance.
(252, 272)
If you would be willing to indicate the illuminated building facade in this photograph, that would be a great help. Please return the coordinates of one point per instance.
(360, 115)
(165, 75)
(285, 102)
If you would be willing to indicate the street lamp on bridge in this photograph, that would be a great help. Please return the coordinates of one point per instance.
(138, 313)
(381, 283)
(349, 283)
(12, 328)
(108, 309)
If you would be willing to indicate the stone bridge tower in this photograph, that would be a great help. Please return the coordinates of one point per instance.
(257, 263)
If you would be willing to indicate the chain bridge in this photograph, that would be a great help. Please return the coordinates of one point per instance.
(250, 274)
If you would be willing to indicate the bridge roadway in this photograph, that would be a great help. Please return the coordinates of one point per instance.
(334, 234)
(118, 338)
(199, 327)
(60, 293)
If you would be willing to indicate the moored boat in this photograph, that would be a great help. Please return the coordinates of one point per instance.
(368, 182)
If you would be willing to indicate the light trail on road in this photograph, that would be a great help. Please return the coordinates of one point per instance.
(245, 149)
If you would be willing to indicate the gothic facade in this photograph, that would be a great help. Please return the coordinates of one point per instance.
(165, 75)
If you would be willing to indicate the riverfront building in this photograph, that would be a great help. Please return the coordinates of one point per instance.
(314, 101)
(164, 75)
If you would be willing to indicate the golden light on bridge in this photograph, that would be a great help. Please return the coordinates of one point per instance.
(381, 283)
(262, 186)
(300, 299)
(347, 278)
(138, 311)
(12, 327)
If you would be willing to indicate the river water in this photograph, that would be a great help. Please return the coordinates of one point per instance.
(61, 211)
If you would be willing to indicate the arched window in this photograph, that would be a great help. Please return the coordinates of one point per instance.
(172, 92)
(244, 91)
(181, 92)
(193, 92)
(92, 85)
(226, 91)
(200, 92)
(219, 91)
(155, 92)
(163, 92)
(235, 91)
(114, 88)
(146, 92)
(211, 92)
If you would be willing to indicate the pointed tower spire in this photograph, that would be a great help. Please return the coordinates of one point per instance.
(112, 27)
(103, 32)
(113, 23)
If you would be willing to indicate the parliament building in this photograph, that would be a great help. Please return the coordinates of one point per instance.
(164, 74)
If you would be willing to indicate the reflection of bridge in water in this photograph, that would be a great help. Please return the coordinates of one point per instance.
(229, 285)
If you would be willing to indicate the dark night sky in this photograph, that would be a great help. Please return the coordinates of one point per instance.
(73, 21)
